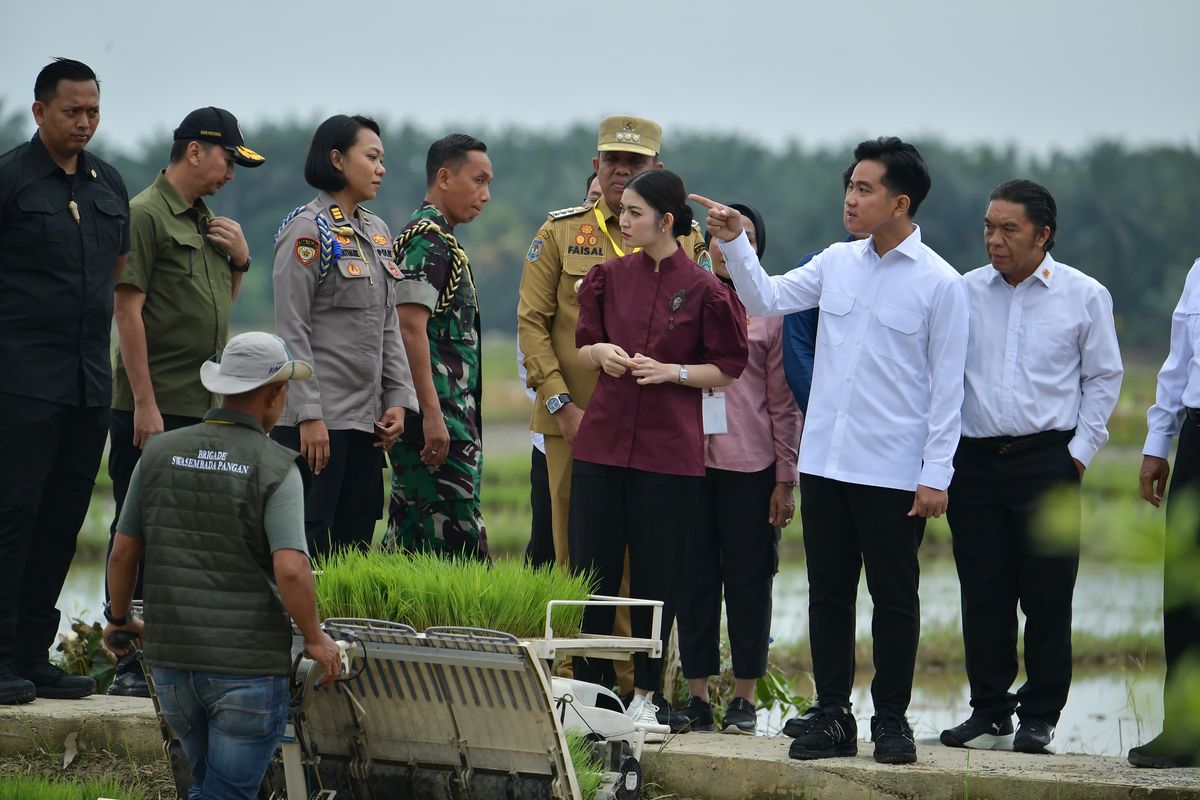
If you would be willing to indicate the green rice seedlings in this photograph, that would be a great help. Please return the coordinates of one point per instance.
(424, 591)
(589, 770)
(30, 788)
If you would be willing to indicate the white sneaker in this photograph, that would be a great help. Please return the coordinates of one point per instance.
(645, 717)
(634, 706)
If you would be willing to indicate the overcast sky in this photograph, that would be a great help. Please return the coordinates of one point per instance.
(1042, 74)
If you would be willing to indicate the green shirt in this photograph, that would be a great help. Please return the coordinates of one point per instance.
(454, 342)
(189, 292)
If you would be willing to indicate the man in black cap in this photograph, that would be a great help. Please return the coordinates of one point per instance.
(173, 301)
(64, 232)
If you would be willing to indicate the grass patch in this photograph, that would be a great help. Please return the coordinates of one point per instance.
(33, 788)
(589, 770)
(424, 591)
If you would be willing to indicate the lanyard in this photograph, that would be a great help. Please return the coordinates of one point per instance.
(604, 227)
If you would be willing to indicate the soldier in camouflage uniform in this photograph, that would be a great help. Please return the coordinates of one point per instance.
(438, 462)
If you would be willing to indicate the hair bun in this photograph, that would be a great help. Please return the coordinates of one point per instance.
(683, 222)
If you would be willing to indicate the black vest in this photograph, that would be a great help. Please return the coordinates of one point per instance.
(211, 603)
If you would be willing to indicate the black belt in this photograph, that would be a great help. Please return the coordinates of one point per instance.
(1193, 414)
(1016, 445)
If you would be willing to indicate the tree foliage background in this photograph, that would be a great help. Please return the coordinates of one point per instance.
(1126, 216)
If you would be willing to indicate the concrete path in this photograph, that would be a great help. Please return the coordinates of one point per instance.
(723, 767)
(696, 765)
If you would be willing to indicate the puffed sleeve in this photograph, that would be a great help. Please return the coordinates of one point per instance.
(590, 329)
(294, 279)
(724, 340)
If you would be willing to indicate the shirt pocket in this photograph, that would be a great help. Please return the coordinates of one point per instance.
(35, 221)
(189, 260)
(833, 323)
(109, 223)
(351, 289)
(898, 334)
(573, 272)
(1055, 342)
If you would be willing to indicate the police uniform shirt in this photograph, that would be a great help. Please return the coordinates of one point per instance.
(1179, 379)
(1041, 356)
(344, 325)
(569, 243)
(887, 385)
(56, 274)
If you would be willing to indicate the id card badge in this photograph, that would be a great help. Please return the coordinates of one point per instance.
(714, 414)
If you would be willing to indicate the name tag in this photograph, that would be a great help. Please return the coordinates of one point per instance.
(714, 414)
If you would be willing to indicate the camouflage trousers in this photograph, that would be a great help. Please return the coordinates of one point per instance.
(436, 510)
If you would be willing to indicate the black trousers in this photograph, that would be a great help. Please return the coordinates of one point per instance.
(122, 458)
(732, 546)
(51, 455)
(346, 498)
(541, 529)
(1181, 566)
(847, 527)
(651, 514)
(1015, 525)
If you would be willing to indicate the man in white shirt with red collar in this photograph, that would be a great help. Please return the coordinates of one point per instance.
(1043, 375)
(879, 438)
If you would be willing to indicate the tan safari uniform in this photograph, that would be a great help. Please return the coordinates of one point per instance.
(339, 314)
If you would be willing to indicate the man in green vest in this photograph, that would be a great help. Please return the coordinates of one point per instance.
(217, 509)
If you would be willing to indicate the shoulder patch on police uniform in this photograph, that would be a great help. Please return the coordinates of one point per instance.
(705, 261)
(567, 212)
(306, 251)
(335, 213)
(535, 249)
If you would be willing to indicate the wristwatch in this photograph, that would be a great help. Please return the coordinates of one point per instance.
(682, 373)
(555, 403)
(244, 268)
(116, 620)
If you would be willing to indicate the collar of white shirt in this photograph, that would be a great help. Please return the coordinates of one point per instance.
(1045, 272)
(909, 248)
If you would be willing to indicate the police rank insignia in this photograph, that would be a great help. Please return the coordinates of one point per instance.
(353, 269)
(392, 269)
(677, 300)
(1045, 273)
(335, 213)
(306, 251)
(535, 250)
(379, 238)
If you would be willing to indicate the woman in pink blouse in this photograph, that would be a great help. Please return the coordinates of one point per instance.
(661, 331)
(749, 477)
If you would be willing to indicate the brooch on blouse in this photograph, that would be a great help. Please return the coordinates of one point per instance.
(677, 301)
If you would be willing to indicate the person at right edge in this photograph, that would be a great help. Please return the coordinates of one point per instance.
(1042, 378)
(1176, 411)
(879, 437)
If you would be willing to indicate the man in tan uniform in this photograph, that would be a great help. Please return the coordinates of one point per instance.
(569, 243)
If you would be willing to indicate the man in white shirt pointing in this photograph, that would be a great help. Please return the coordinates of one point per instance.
(1043, 375)
(882, 425)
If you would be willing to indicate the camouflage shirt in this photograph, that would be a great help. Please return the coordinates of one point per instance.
(454, 341)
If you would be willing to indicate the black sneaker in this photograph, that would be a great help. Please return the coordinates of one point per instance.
(696, 715)
(893, 740)
(13, 688)
(740, 717)
(1162, 753)
(799, 725)
(980, 733)
(52, 683)
(827, 733)
(1034, 736)
(128, 679)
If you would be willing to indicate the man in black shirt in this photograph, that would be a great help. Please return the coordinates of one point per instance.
(64, 233)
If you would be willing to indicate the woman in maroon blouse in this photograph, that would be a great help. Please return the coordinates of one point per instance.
(660, 329)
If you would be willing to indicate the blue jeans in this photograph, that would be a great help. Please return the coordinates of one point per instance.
(229, 726)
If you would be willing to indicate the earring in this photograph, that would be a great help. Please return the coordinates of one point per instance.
(662, 228)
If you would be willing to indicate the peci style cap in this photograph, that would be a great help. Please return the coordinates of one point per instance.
(630, 135)
(251, 360)
(216, 125)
